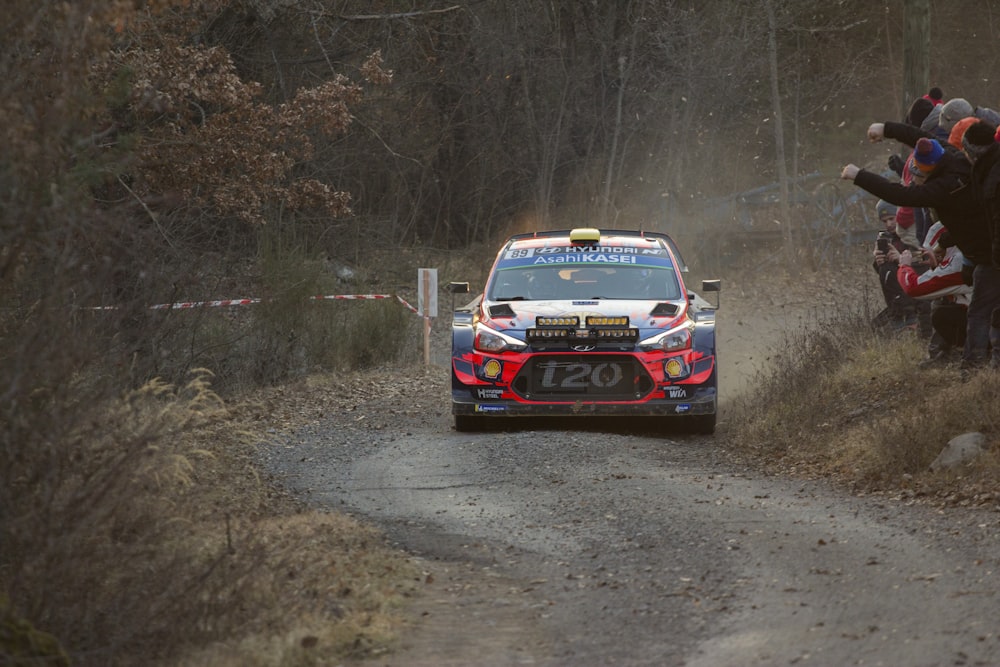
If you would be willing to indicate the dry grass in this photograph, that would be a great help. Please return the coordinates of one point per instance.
(847, 404)
(157, 539)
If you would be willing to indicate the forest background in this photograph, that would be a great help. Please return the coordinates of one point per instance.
(161, 151)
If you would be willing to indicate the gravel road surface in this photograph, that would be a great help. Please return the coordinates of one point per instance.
(614, 542)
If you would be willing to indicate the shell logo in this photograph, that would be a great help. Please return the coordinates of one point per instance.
(492, 369)
(673, 368)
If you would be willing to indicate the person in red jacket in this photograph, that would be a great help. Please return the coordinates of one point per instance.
(944, 287)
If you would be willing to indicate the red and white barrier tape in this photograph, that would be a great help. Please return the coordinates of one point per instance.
(185, 305)
(203, 304)
(368, 296)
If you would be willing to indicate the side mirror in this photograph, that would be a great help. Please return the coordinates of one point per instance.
(713, 286)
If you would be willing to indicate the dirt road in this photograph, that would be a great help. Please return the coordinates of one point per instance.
(611, 543)
(615, 543)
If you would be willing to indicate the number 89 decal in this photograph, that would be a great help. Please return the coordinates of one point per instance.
(580, 375)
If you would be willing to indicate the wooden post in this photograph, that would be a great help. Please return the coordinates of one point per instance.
(427, 305)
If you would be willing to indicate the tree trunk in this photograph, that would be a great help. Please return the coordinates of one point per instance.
(606, 199)
(779, 133)
(916, 50)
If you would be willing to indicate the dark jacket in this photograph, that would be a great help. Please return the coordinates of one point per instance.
(986, 182)
(948, 190)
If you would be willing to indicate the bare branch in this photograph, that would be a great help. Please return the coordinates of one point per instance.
(152, 215)
(401, 15)
(839, 28)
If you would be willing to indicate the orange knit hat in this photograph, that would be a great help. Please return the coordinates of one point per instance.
(955, 136)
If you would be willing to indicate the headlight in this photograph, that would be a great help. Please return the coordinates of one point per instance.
(488, 340)
(669, 341)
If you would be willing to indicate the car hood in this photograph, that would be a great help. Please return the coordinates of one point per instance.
(514, 316)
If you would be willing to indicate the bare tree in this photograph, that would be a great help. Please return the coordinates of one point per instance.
(916, 50)
(779, 131)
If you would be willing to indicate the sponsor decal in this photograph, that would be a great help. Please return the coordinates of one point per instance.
(612, 249)
(683, 407)
(522, 253)
(595, 258)
(491, 408)
(491, 369)
(674, 368)
(579, 375)
(492, 393)
(675, 392)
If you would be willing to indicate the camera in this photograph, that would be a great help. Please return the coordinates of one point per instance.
(883, 242)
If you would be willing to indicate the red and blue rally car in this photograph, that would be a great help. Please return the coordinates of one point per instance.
(586, 322)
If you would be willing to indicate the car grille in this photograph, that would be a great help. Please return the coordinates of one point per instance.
(585, 376)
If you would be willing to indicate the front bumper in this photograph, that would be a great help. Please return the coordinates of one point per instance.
(703, 402)
(568, 385)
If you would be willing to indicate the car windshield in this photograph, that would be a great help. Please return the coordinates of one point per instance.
(577, 281)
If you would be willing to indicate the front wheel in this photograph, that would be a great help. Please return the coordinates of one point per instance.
(701, 424)
(468, 423)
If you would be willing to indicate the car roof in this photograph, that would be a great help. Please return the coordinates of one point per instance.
(608, 237)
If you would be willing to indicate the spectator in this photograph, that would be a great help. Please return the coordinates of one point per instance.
(958, 108)
(958, 131)
(953, 111)
(913, 223)
(929, 123)
(901, 311)
(982, 149)
(942, 181)
(918, 111)
(907, 217)
(935, 96)
(942, 285)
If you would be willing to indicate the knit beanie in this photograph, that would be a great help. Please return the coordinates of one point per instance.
(957, 132)
(884, 209)
(934, 96)
(953, 111)
(926, 155)
(918, 111)
(978, 139)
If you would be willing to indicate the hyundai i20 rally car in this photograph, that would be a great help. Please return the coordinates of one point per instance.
(586, 322)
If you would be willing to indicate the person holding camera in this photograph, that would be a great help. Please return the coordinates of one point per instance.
(901, 311)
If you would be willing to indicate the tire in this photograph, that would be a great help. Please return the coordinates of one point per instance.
(701, 424)
(468, 423)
